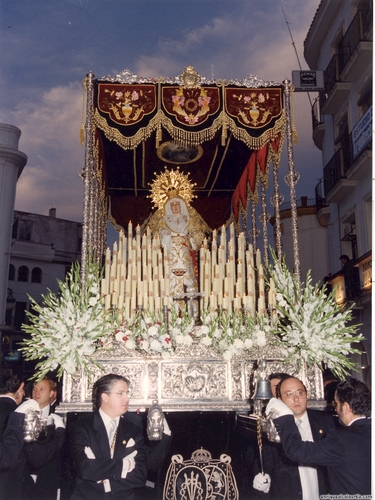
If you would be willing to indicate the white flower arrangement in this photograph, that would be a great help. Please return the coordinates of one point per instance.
(147, 332)
(233, 335)
(228, 335)
(311, 328)
(66, 329)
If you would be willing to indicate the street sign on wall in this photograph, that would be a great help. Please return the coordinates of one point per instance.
(308, 81)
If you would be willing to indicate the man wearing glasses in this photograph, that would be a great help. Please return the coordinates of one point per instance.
(345, 451)
(288, 479)
(108, 451)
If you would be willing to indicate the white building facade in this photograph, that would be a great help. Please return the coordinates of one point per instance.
(43, 249)
(339, 42)
(312, 240)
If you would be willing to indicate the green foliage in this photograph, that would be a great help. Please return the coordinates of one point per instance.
(311, 327)
(65, 330)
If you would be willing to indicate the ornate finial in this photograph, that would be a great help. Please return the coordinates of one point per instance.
(201, 456)
(190, 77)
(171, 184)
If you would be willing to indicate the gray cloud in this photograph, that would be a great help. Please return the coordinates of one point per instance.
(53, 45)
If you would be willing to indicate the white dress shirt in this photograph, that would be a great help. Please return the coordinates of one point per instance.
(308, 475)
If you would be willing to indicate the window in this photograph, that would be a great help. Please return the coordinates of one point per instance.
(15, 228)
(36, 275)
(24, 230)
(349, 237)
(12, 272)
(365, 99)
(8, 317)
(23, 274)
(20, 315)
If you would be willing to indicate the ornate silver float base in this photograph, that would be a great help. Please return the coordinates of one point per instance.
(194, 379)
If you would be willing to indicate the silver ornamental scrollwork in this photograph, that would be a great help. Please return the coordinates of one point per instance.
(153, 372)
(194, 381)
(236, 381)
(126, 76)
(195, 377)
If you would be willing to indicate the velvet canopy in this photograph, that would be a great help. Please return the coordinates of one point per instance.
(224, 134)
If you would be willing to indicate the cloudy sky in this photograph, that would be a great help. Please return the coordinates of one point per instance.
(48, 46)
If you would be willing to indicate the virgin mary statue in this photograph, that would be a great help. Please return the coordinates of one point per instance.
(181, 230)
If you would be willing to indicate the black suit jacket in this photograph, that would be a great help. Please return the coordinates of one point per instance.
(7, 406)
(90, 432)
(284, 473)
(42, 458)
(11, 444)
(345, 451)
(156, 451)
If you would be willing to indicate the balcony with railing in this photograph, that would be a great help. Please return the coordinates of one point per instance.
(335, 178)
(318, 125)
(341, 172)
(322, 209)
(336, 90)
(353, 57)
(356, 45)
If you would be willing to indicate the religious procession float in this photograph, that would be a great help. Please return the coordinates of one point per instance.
(190, 304)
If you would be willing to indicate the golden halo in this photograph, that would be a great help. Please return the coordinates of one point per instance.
(171, 184)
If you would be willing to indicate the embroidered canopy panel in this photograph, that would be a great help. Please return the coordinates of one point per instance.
(223, 133)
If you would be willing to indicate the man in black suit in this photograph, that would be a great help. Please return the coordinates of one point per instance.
(42, 469)
(108, 451)
(286, 479)
(345, 450)
(11, 395)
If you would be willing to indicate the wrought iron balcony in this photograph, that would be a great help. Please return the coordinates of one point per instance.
(358, 31)
(353, 56)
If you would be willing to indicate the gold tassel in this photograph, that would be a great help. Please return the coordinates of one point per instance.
(82, 129)
(294, 135)
(82, 134)
(224, 132)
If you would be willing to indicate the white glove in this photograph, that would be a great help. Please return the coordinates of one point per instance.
(166, 428)
(58, 421)
(29, 404)
(128, 464)
(262, 482)
(276, 408)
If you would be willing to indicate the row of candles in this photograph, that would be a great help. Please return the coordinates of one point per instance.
(231, 275)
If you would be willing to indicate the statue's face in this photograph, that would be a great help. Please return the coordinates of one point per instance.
(175, 207)
(155, 425)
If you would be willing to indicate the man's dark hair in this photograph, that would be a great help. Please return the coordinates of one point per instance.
(278, 387)
(346, 257)
(356, 394)
(11, 383)
(105, 384)
(278, 376)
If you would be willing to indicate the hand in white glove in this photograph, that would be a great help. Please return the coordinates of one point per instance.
(57, 420)
(128, 464)
(166, 428)
(276, 408)
(29, 404)
(262, 482)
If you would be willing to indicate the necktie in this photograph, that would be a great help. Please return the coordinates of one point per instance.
(112, 435)
(299, 425)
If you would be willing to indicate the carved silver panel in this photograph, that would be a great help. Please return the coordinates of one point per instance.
(195, 378)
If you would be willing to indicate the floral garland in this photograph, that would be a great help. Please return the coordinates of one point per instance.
(228, 335)
(311, 327)
(66, 329)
